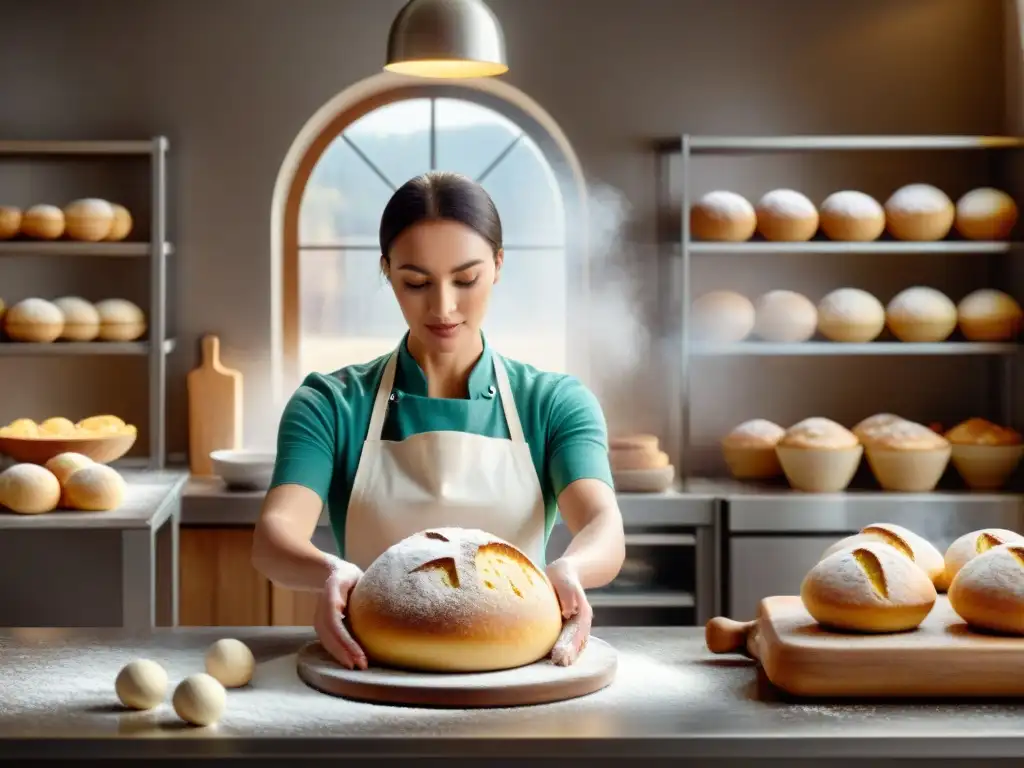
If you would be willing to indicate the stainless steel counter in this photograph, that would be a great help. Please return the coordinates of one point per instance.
(671, 699)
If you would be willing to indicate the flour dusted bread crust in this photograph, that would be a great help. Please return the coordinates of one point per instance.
(454, 600)
(920, 212)
(785, 317)
(988, 591)
(907, 456)
(43, 222)
(904, 541)
(749, 450)
(871, 587)
(866, 429)
(986, 214)
(852, 216)
(819, 455)
(970, 545)
(785, 215)
(722, 316)
(989, 315)
(34, 320)
(921, 314)
(723, 216)
(850, 315)
(81, 320)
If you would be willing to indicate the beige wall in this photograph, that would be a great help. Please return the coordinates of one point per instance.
(232, 82)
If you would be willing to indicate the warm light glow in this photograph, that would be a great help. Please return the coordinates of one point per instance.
(448, 69)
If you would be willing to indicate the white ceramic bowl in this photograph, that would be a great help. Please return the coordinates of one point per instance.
(244, 470)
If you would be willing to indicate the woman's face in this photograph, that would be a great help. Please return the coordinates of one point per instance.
(442, 273)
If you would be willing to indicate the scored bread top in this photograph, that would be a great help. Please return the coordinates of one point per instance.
(868, 574)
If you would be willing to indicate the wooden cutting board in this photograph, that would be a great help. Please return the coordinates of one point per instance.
(539, 683)
(214, 408)
(941, 658)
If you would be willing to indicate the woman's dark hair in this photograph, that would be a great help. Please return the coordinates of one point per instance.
(440, 195)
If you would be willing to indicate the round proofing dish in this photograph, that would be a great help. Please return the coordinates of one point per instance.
(244, 470)
(38, 450)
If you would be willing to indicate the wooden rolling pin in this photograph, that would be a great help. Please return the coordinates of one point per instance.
(722, 635)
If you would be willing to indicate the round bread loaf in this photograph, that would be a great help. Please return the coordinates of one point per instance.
(722, 316)
(852, 216)
(988, 592)
(785, 317)
(10, 221)
(454, 600)
(785, 215)
(989, 315)
(921, 314)
(34, 320)
(850, 315)
(970, 545)
(749, 450)
(81, 320)
(919, 212)
(906, 542)
(986, 214)
(868, 428)
(870, 587)
(723, 216)
(43, 222)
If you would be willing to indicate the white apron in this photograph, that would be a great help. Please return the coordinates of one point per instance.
(444, 479)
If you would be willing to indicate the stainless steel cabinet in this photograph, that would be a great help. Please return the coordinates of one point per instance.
(762, 566)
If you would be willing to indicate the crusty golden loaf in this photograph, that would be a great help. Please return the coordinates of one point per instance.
(970, 545)
(454, 600)
(908, 543)
(871, 587)
(988, 592)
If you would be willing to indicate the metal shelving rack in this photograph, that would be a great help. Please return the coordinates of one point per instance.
(158, 346)
(687, 146)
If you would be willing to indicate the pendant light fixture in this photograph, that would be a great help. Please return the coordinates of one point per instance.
(449, 39)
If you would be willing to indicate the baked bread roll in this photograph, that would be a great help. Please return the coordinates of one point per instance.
(988, 592)
(986, 214)
(908, 457)
(852, 217)
(985, 454)
(454, 600)
(29, 489)
(785, 317)
(870, 587)
(89, 219)
(919, 212)
(120, 320)
(785, 215)
(122, 224)
(866, 429)
(749, 450)
(989, 315)
(722, 317)
(850, 315)
(34, 320)
(95, 488)
(921, 315)
(43, 222)
(906, 542)
(10, 222)
(977, 431)
(723, 216)
(970, 545)
(81, 320)
(819, 455)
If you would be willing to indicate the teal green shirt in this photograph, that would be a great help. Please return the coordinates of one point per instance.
(325, 423)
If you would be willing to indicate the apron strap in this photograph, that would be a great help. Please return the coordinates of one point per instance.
(380, 402)
(508, 403)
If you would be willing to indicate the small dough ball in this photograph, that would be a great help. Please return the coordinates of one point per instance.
(120, 320)
(21, 428)
(785, 215)
(56, 426)
(852, 216)
(142, 684)
(231, 662)
(88, 219)
(989, 315)
(785, 316)
(722, 216)
(10, 222)
(972, 544)
(29, 489)
(43, 222)
(34, 320)
(63, 465)
(921, 314)
(199, 699)
(986, 214)
(722, 316)
(122, 225)
(988, 592)
(81, 320)
(850, 315)
(94, 488)
(870, 587)
(919, 212)
(105, 424)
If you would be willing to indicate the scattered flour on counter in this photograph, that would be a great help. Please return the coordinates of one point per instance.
(852, 204)
(787, 203)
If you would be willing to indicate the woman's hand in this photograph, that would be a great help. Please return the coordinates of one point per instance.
(575, 609)
(330, 613)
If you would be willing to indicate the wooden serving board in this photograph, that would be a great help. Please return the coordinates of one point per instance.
(941, 658)
(214, 408)
(539, 683)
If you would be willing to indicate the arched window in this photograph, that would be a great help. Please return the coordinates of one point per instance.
(346, 311)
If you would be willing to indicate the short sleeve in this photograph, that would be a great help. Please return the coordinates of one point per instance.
(307, 440)
(577, 436)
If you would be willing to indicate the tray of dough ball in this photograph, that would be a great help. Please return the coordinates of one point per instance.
(102, 438)
(639, 465)
(73, 319)
(886, 614)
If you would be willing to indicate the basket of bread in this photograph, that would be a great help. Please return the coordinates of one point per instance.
(102, 439)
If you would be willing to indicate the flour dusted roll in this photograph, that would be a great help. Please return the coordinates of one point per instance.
(454, 600)
(785, 317)
(785, 215)
(988, 592)
(722, 316)
(989, 315)
(723, 216)
(986, 214)
(970, 545)
(819, 455)
(906, 542)
(749, 450)
(921, 314)
(908, 457)
(919, 212)
(870, 587)
(879, 423)
(850, 315)
(852, 216)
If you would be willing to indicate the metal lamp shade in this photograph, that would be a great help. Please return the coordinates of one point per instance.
(446, 39)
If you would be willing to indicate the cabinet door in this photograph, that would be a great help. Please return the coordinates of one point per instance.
(765, 566)
(219, 586)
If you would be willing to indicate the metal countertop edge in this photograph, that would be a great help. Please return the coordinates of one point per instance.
(921, 745)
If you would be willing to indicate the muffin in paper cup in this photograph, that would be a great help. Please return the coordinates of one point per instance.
(985, 454)
(749, 450)
(819, 455)
(907, 457)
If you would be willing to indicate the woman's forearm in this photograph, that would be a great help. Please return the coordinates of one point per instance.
(290, 561)
(598, 549)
